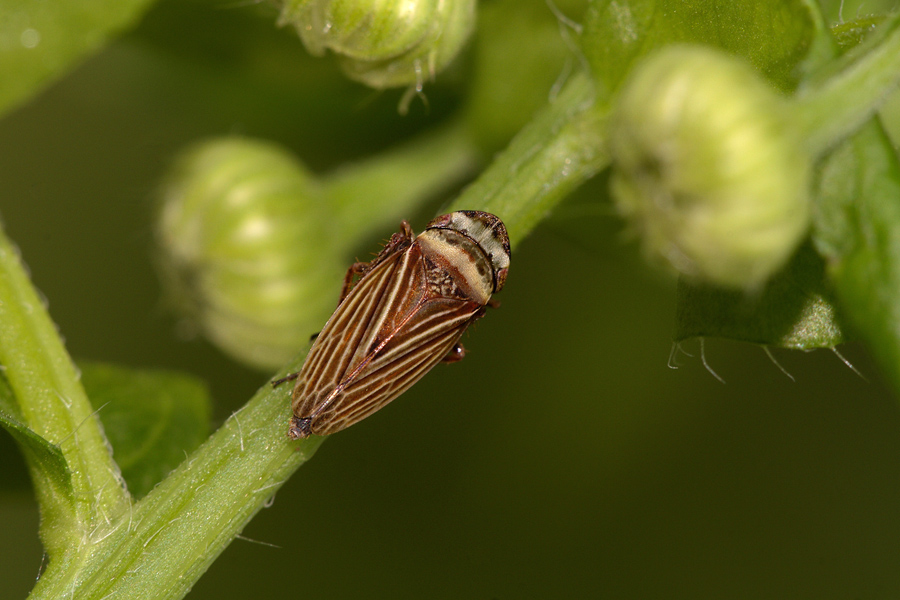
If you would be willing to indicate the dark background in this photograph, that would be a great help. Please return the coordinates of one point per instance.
(561, 458)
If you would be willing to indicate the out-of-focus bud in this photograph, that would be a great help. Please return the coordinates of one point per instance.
(370, 29)
(246, 248)
(384, 43)
(709, 167)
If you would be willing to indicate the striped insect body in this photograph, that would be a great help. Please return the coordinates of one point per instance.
(405, 314)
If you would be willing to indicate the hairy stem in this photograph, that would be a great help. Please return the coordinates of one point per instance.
(168, 539)
(559, 150)
(52, 404)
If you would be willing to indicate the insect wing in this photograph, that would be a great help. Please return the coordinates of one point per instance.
(383, 337)
(335, 352)
(419, 344)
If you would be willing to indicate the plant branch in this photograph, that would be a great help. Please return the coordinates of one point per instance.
(395, 181)
(169, 539)
(559, 150)
(829, 110)
(53, 405)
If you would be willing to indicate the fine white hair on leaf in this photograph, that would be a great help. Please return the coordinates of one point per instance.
(673, 355)
(771, 356)
(706, 364)
(849, 364)
(562, 18)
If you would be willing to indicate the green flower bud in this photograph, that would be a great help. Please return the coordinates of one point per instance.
(244, 242)
(384, 43)
(370, 29)
(709, 167)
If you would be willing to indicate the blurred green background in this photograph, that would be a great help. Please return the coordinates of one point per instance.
(587, 466)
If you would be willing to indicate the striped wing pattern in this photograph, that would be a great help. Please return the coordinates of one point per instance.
(386, 334)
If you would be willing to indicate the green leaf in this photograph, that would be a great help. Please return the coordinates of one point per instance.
(774, 35)
(46, 462)
(50, 473)
(855, 228)
(151, 419)
(41, 40)
(794, 310)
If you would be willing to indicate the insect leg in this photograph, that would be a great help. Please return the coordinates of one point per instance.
(399, 241)
(356, 269)
(290, 377)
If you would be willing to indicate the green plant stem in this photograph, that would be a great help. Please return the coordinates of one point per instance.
(53, 404)
(169, 539)
(555, 153)
(161, 547)
(394, 182)
(829, 110)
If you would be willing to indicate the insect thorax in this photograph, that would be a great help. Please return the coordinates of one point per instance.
(461, 268)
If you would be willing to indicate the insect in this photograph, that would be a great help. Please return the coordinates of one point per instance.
(405, 314)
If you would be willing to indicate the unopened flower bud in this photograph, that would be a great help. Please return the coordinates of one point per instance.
(245, 248)
(709, 167)
(384, 43)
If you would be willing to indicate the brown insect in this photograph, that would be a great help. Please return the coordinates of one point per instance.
(404, 315)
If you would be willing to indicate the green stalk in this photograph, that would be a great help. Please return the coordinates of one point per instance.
(52, 404)
(829, 110)
(162, 547)
(551, 156)
(382, 190)
(164, 544)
